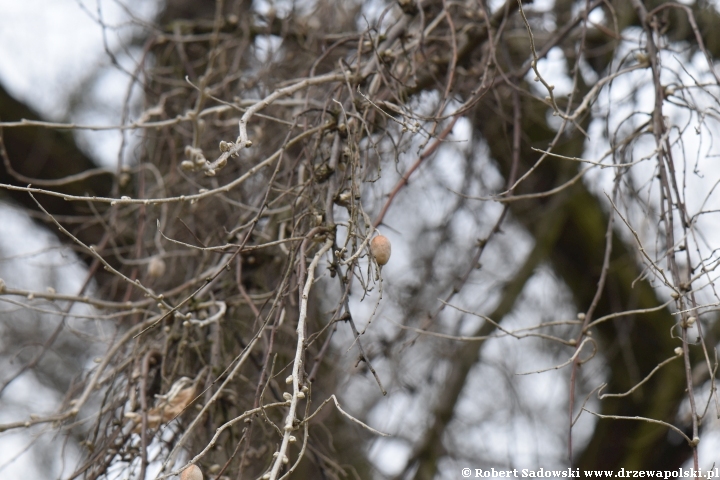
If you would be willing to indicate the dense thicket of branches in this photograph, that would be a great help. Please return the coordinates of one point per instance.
(528, 162)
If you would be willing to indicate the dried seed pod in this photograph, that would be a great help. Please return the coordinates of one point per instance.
(380, 249)
(156, 268)
(191, 473)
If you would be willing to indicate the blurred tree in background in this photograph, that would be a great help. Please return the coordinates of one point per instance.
(545, 173)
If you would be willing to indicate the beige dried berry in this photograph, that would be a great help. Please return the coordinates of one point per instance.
(380, 249)
(191, 473)
(156, 267)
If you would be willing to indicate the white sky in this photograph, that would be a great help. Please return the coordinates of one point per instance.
(49, 46)
(52, 47)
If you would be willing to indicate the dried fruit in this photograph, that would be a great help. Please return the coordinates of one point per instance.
(380, 249)
(168, 407)
(156, 267)
(191, 473)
